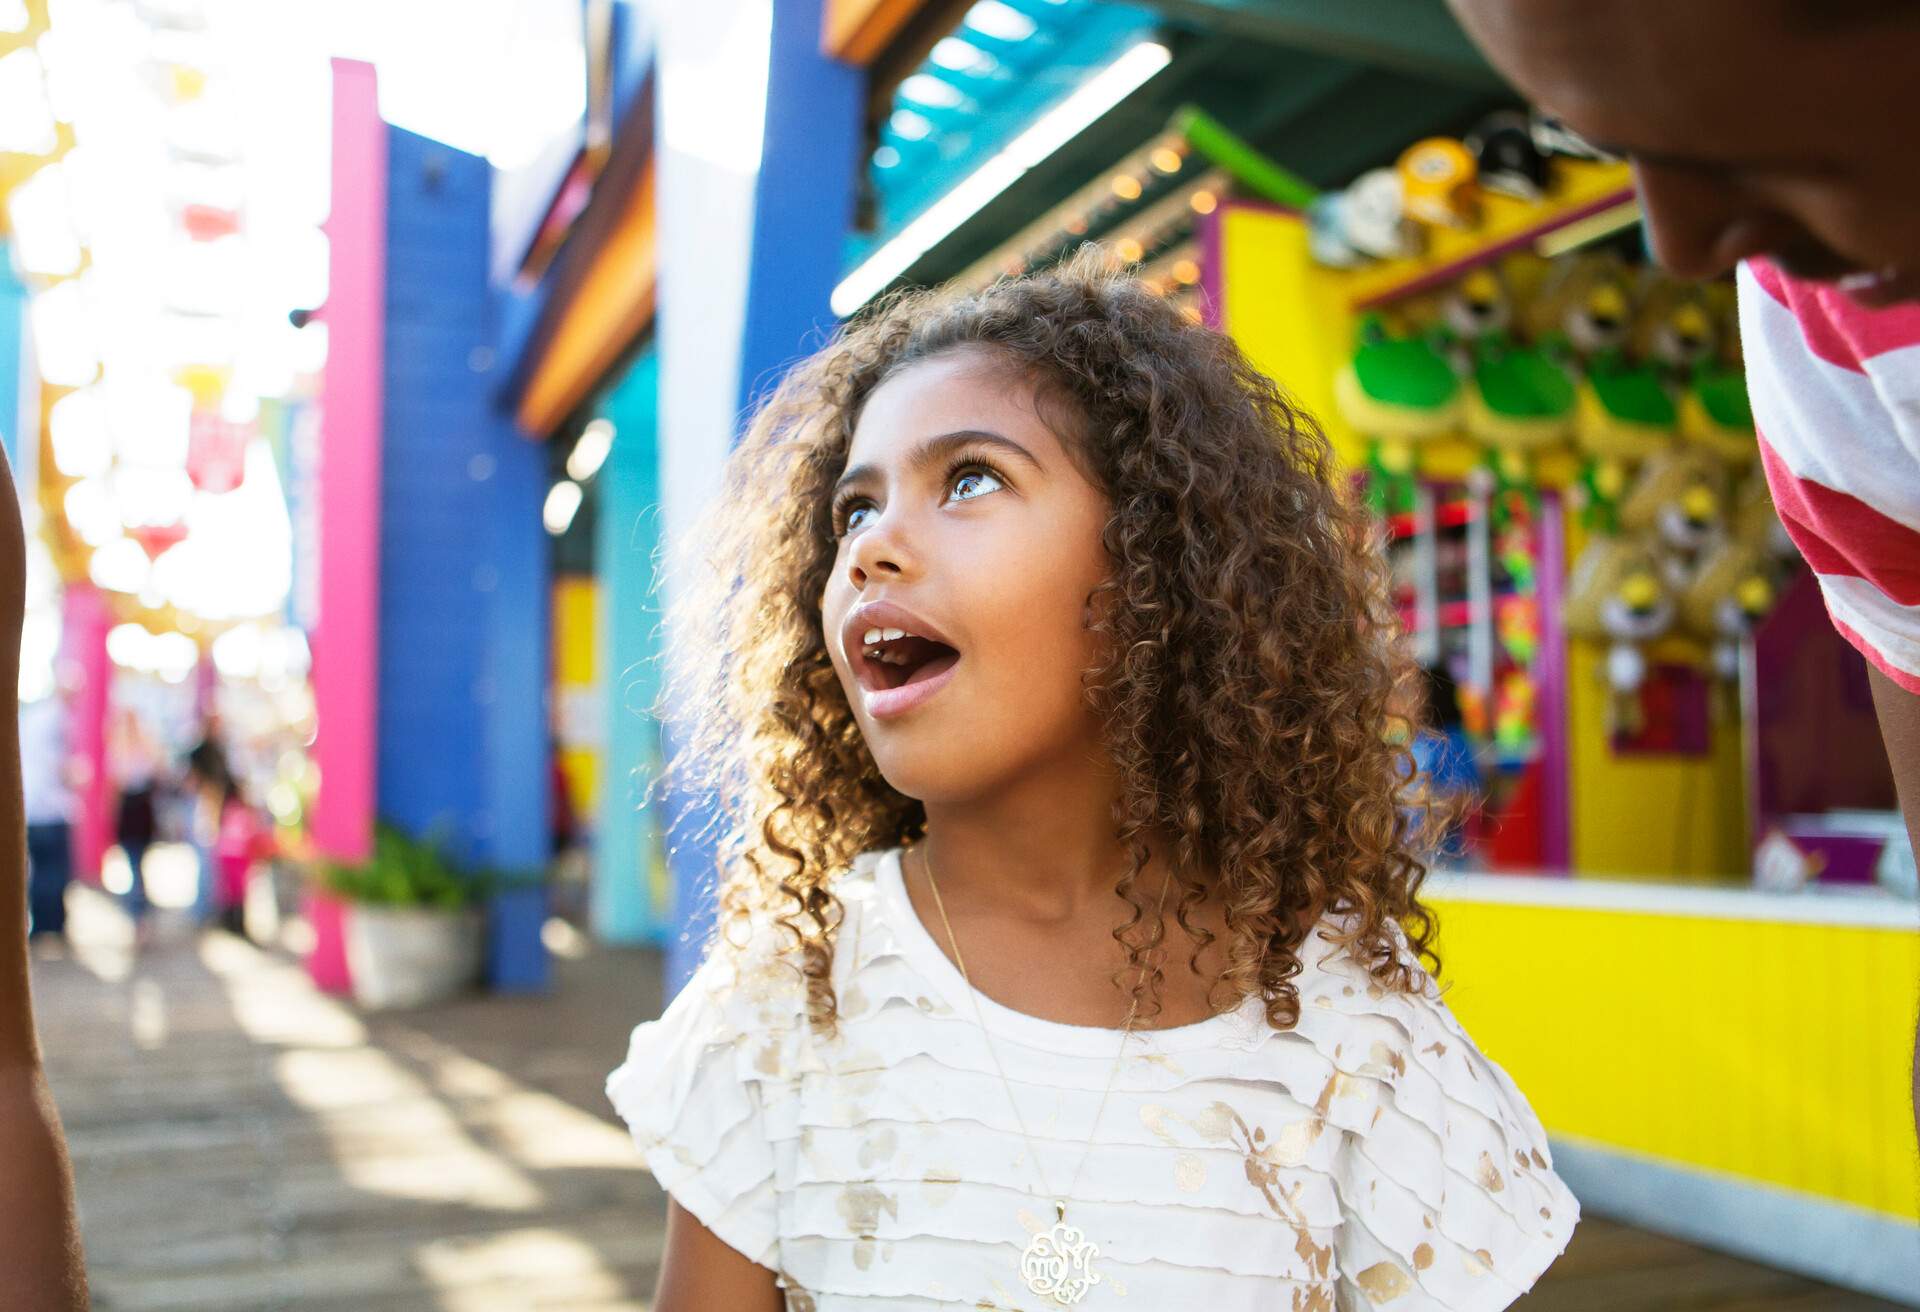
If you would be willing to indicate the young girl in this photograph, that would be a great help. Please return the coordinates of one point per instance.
(1043, 679)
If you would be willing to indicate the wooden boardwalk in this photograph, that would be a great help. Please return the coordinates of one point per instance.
(243, 1143)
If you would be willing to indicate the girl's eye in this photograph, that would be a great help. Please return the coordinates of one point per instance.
(975, 483)
(849, 516)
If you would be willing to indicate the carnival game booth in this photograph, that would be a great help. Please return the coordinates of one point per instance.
(1690, 943)
(1686, 852)
(1680, 916)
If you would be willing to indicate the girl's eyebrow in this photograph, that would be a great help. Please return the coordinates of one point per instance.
(935, 449)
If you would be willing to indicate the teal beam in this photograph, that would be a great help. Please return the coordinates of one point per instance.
(13, 367)
(1417, 36)
(630, 897)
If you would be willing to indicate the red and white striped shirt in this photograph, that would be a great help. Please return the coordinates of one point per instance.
(1836, 397)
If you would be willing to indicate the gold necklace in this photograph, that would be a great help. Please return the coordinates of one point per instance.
(1057, 1263)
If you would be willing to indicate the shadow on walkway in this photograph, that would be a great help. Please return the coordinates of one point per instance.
(241, 1141)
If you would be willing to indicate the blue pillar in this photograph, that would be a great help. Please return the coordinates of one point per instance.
(726, 331)
(13, 364)
(464, 596)
(631, 894)
(632, 42)
(803, 200)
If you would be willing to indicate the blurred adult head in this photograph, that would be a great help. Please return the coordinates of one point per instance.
(1783, 128)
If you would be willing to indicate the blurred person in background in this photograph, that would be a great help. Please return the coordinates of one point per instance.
(50, 779)
(207, 776)
(242, 839)
(563, 823)
(41, 1266)
(1442, 752)
(1776, 137)
(136, 767)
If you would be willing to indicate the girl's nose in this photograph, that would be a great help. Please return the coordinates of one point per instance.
(878, 551)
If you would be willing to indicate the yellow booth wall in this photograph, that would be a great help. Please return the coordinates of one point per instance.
(1773, 1051)
(1287, 314)
(576, 600)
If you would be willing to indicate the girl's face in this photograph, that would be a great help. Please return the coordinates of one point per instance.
(956, 612)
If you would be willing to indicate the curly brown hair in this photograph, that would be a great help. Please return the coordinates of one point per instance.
(1252, 678)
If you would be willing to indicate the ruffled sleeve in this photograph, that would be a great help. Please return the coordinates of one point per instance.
(692, 1092)
(1448, 1198)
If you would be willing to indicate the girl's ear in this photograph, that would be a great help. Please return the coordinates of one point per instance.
(1098, 605)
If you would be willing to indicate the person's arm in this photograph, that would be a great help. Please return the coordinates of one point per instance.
(1900, 726)
(700, 1271)
(38, 1229)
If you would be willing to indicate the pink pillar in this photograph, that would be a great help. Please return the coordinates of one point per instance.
(346, 635)
(345, 640)
(85, 621)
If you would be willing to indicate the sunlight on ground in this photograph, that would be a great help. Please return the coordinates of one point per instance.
(528, 1256)
(147, 1015)
(274, 1002)
(172, 871)
(450, 1098)
(534, 1128)
(99, 934)
(403, 1114)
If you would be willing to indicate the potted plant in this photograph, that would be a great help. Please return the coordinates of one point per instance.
(414, 932)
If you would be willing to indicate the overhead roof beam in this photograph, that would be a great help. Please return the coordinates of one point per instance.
(858, 31)
(1418, 36)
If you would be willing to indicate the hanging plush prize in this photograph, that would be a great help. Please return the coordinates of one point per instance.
(1624, 411)
(1520, 399)
(1437, 177)
(1679, 499)
(1735, 583)
(1726, 598)
(1618, 595)
(1367, 221)
(1715, 413)
(1399, 390)
(1673, 327)
(1507, 159)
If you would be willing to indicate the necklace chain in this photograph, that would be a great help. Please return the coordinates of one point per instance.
(1126, 1032)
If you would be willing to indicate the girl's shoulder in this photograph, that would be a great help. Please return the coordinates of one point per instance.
(1405, 1022)
(1400, 1054)
(741, 1021)
(753, 980)
(1439, 1141)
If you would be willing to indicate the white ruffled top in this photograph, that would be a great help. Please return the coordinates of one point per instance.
(1370, 1157)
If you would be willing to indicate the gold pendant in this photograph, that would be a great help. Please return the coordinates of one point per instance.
(1058, 1263)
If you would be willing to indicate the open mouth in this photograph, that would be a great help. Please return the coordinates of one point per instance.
(893, 658)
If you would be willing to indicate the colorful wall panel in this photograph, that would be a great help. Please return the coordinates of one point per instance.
(1289, 315)
(632, 899)
(346, 637)
(576, 688)
(1729, 1066)
(463, 584)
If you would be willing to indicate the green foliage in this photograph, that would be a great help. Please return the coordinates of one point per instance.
(402, 872)
(410, 872)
